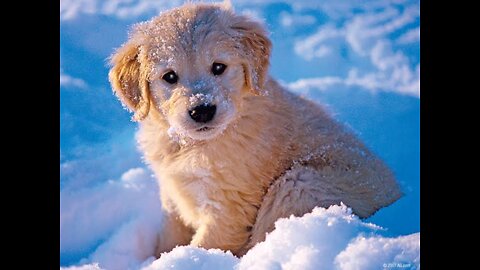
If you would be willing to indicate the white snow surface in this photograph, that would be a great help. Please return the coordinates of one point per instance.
(324, 239)
(118, 220)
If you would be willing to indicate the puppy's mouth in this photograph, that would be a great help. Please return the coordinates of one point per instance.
(203, 129)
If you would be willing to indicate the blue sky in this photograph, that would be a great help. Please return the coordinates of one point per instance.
(361, 59)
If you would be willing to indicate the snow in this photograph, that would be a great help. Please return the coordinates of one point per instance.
(192, 258)
(368, 35)
(200, 98)
(373, 252)
(411, 36)
(69, 81)
(93, 266)
(326, 239)
(288, 20)
(117, 221)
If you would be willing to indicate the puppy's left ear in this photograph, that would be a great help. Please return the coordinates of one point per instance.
(256, 46)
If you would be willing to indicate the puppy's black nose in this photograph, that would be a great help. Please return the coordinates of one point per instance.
(203, 113)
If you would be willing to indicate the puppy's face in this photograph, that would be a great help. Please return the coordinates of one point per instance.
(197, 82)
(194, 65)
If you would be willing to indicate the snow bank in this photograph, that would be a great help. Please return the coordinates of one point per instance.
(376, 252)
(324, 239)
(192, 258)
(115, 223)
(83, 267)
(308, 242)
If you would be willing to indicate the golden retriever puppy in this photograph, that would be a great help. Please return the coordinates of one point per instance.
(234, 151)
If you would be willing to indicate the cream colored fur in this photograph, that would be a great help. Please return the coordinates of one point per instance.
(269, 153)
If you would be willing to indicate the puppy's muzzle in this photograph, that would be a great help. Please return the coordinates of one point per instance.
(203, 113)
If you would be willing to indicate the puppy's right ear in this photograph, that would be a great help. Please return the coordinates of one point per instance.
(129, 81)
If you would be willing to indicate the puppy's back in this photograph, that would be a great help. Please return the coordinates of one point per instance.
(345, 166)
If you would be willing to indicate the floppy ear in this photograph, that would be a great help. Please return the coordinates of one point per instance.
(256, 46)
(129, 80)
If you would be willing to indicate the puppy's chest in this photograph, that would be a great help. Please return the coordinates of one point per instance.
(199, 184)
(212, 185)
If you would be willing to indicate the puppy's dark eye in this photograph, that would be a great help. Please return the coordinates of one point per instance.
(171, 77)
(218, 68)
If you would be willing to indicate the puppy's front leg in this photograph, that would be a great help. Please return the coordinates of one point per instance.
(223, 234)
(174, 233)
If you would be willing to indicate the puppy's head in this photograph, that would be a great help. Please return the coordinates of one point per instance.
(194, 65)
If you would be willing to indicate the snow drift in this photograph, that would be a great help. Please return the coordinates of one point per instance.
(115, 222)
(325, 239)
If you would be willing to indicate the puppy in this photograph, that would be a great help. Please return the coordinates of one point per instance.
(233, 151)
